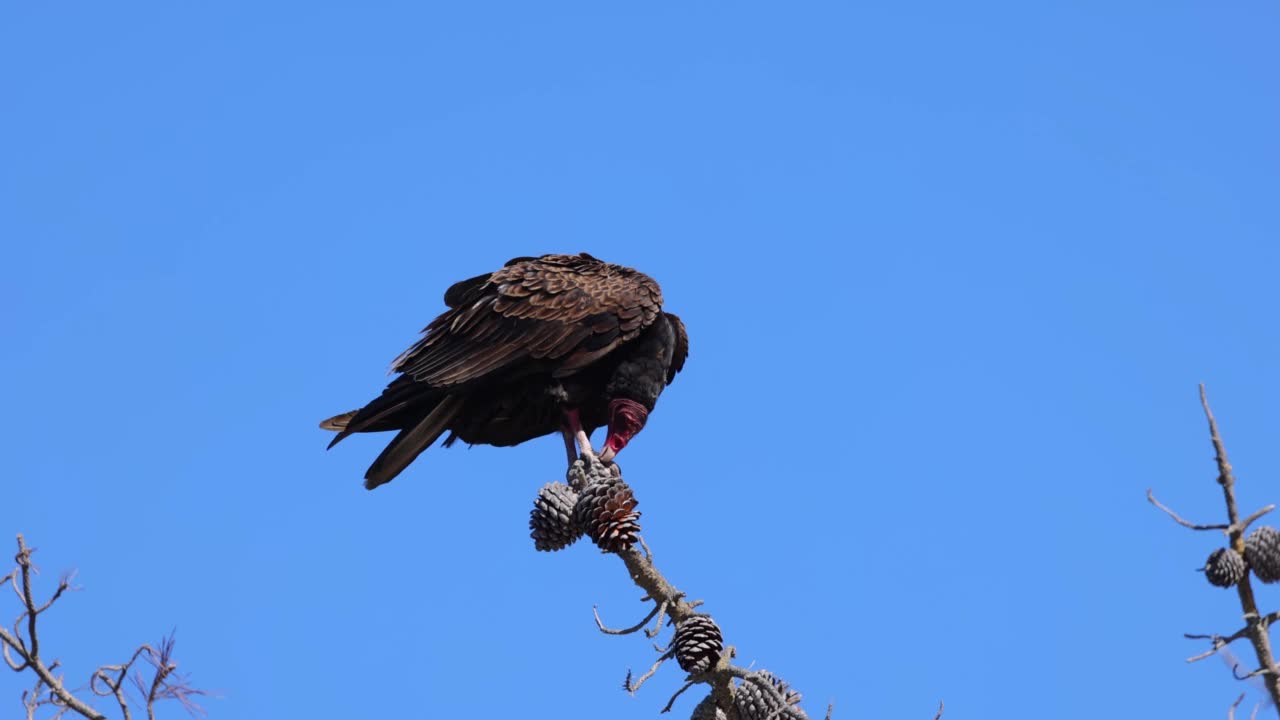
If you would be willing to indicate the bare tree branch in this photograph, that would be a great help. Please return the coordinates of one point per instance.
(1258, 634)
(1227, 529)
(30, 655)
(1231, 711)
(106, 681)
(632, 687)
(1151, 498)
(115, 686)
(1257, 626)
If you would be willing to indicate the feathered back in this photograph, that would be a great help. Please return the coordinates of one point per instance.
(560, 312)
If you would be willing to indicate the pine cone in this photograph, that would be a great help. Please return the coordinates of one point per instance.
(551, 520)
(707, 710)
(763, 696)
(1262, 550)
(1224, 567)
(606, 512)
(791, 697)
(698, 643)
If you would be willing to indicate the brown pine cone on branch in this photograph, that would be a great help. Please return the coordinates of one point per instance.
(1262, 550)
(1224, 568)
(698, 643)
(764, 696)
(606, 512)
(551, 522)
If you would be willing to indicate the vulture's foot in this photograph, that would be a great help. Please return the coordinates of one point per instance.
(584, 445)
(575, 438)
(570, 448)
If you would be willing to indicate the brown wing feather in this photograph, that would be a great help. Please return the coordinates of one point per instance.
(560, 311)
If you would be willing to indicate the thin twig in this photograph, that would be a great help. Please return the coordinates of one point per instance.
(31, 699)
(1218, 641)
(1245, 523)
(647, 552)
(115, 688)
(64, 584)
(634, 628)
(1231, 711)
(672, 701)
(1235, 670)
(633, 687)
(662, 614)
(1178, 518)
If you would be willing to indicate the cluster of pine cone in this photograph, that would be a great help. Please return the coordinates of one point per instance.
(761, 696)
(595, 502)
(1225, 567)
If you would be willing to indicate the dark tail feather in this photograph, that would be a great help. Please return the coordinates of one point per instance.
(411, 441)
(398, 407)
(338, 424)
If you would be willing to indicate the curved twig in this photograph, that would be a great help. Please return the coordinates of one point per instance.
(672, 701)
(657, 609)
(633, 687)
(1151, 498)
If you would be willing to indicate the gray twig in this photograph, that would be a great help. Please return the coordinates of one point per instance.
(1231, 711)
(672, 701)
(626, 631)
(1235, 670)
(1220, 641)
(1151, 498)
(633, 687)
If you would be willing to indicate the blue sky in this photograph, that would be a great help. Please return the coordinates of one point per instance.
(951, 274)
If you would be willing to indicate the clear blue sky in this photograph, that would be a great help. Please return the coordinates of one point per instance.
(951, 272)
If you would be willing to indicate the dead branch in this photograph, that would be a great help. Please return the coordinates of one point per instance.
(21, 651)
(1151, 498)
(28, 648)
(1256, 627)
(657, 610)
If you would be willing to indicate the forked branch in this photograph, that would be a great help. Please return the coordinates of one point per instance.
(1256, 627)
(21, 650)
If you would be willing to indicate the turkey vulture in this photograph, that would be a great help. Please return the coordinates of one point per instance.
(557, 343)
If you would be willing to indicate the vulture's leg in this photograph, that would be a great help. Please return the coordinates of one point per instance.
(570, 448)
(573, 428)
